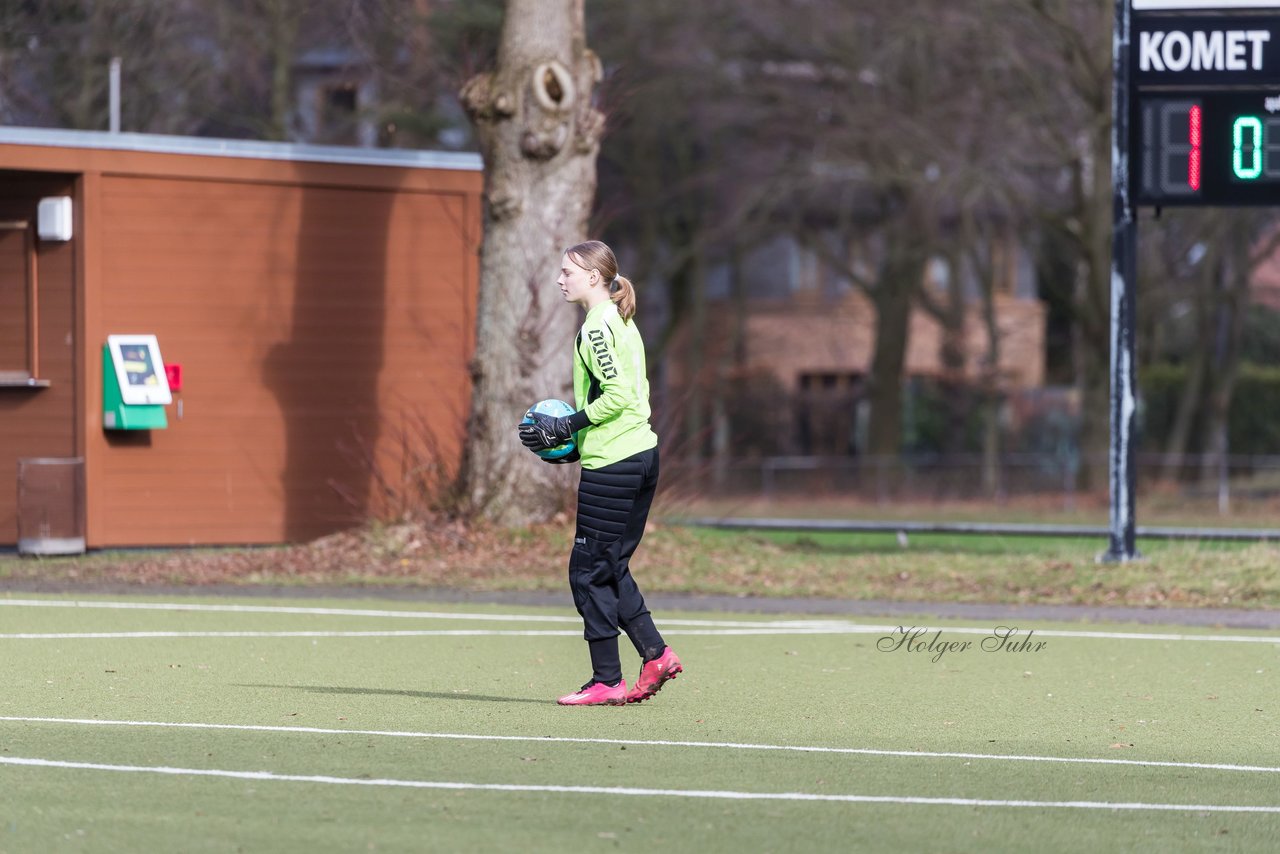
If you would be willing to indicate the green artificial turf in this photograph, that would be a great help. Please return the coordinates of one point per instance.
(1148, 700)
(676, 559)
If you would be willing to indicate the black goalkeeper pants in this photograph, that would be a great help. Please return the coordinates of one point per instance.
(613, 507)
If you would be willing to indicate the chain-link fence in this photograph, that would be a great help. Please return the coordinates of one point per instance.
(1222, 485)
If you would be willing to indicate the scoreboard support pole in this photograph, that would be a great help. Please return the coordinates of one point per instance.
(1195, 122)
(1124, 282)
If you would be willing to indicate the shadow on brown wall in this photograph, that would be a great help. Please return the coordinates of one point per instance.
(34, 421)
(325, 375)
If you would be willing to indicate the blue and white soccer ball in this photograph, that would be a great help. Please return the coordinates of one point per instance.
(557, 409)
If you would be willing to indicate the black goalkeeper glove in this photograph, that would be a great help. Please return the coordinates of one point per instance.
(546, 431)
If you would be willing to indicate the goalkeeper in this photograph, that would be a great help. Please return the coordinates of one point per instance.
(619, 454)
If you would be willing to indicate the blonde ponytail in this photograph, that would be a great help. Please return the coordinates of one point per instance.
(623, 294)
(594, 255)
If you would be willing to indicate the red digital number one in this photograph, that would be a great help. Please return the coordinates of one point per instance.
(1193, 162)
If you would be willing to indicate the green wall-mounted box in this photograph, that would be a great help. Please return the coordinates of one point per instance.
(134, 387)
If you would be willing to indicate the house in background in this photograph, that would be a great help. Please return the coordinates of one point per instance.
(335, 98)
(805, 336)
(320, 302)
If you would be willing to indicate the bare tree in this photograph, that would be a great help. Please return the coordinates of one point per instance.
(1203, 265)
(222, 69)
(675, 183)
(1062, 50)
(889, 128)
(55, 55)
(256, 47)
(539, 134)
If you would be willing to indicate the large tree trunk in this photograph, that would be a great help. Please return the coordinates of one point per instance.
(539, 135)
(992, 476)
(888, 362)
(953, 357)
(893, 297)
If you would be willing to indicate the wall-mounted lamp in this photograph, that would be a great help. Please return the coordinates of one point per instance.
(53, 218)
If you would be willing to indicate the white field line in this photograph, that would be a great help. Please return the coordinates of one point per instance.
(893, 633)
(361, 612)
(407, 633)
(829, 626)
(267, 776)
(720, 745)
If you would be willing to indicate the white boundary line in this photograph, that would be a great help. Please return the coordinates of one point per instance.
(893, 632)
(628, 791)
(424, 633)
(828, 626)
(363, 612)
(723, 745)
(407, 633)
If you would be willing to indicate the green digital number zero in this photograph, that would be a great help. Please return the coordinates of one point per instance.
(1247, 131)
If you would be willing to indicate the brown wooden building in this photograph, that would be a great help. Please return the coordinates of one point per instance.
(319, 300)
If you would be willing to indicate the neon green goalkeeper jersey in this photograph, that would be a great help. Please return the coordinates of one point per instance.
(610, 383)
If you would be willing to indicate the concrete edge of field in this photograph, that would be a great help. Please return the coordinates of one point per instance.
(1223, 617)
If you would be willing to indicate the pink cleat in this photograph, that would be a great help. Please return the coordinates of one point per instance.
(597, 694)
(653, 674)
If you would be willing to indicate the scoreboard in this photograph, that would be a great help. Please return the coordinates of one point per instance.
(1205, 102)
